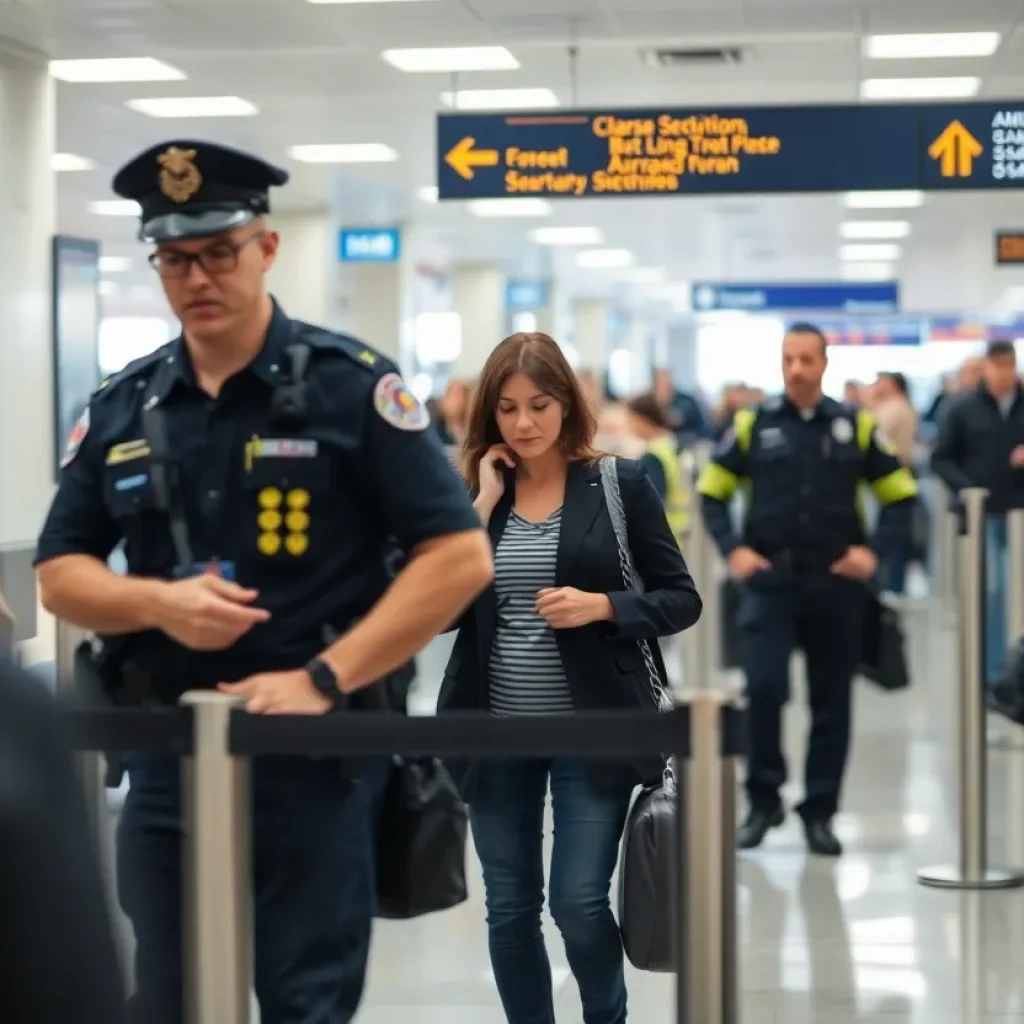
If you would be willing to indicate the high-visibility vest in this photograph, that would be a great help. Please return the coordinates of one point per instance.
(677, 489)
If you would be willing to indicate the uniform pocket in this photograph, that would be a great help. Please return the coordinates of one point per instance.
(284, 509)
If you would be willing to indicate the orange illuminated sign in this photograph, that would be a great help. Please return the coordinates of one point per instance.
(1010, 247)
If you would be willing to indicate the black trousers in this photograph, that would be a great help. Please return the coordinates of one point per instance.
(822, 614)
(313, 881)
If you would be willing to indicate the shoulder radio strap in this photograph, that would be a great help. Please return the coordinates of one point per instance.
(165, 478)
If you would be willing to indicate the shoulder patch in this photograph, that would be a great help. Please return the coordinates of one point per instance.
(75, 439)
(397, 405)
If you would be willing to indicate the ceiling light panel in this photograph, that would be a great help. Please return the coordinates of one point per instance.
(567, 236)
(600, 259)
(115, 69)
(499, 99)
(194, 106)
(873, 253)
(115, 208)
(958, 87)
(70, 162)
(509, 207)
(931, 45)
(876, 230)
(344, 153)
(452, 58)
(901, 200)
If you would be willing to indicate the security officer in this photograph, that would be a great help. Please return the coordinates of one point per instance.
(803, 561)
(257, 469)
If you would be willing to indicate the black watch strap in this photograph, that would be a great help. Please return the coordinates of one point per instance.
(326, 682)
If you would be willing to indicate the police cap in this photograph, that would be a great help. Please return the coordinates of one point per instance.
(189, 189)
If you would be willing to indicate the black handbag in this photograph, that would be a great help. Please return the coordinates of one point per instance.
(883, 658)
(421, 841)
(646, 864)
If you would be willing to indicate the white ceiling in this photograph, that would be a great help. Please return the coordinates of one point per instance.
(316, 75)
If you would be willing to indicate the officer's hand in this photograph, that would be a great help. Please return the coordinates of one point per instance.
(1017, 457)
(279, 693)
(207, 613)
(858, 563)
(492, 472)
(569, 608)
(744, 562)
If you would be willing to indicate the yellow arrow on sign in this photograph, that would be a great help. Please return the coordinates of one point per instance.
(462, 157)
(957, 148)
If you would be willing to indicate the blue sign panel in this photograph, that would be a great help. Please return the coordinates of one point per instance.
(694, 151)
(839, 297)
(369, 245)
(900, 330)
(526, 296)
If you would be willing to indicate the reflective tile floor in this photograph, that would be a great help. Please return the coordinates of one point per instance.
(849, 942)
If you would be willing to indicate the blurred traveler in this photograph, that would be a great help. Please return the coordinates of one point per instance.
(453, 407)
(259, 470)
(556, 633)
(685, 413)
(981, 444)
(663, 461)
(6, 624)
(59, 963)
(853, 394)
(802, 559)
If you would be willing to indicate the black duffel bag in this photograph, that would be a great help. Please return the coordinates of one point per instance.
(883, 658)
(646, 879)
(421, 841)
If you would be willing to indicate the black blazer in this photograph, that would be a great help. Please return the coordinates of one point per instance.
(603, 664)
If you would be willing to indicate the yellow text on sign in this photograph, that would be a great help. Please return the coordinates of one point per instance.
(956, 149)
(1011, 249)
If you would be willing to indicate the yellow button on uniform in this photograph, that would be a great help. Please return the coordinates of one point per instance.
(269, 543)
(297, 522)
(296, 543)
(298, 498)
(270, 497)
(269, 519)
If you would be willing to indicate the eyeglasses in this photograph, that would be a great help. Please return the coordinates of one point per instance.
(219, 258)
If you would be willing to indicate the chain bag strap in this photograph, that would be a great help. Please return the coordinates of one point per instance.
(630, 578)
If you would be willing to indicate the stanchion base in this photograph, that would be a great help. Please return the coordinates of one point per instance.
(951, 877)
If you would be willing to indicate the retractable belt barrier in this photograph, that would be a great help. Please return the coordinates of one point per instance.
(216, 739)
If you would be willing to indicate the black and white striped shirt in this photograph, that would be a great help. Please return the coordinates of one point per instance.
(526, 674)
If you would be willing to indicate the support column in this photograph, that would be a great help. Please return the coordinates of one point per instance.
(478, 292)
(27, 220)
(682, 354)
(638, 341)
(591, 335)
(302, 278)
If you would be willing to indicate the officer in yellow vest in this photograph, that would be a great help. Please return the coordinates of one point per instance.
(802, 562)
(668, 468)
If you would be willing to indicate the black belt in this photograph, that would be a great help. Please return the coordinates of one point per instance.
(802, 559)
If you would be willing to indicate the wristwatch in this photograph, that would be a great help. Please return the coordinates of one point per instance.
(326, 682)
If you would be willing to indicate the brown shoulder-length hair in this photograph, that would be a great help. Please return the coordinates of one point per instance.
(540, 358)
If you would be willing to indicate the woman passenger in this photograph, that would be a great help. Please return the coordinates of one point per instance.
(556, 633)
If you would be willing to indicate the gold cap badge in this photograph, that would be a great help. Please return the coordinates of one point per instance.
(180, 179)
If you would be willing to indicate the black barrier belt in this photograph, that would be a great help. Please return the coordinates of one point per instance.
(122, 731)
(599, 734)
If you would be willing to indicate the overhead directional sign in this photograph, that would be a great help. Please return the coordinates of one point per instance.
(820, 297)
(900, 330)
(680, 151)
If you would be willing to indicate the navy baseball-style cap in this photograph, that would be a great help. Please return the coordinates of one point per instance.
(190, 189)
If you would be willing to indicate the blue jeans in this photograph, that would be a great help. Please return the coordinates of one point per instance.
(313, 882)
(507, 819)
(996, 553)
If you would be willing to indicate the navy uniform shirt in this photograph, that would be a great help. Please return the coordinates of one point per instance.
(804, 475)
(305, 514)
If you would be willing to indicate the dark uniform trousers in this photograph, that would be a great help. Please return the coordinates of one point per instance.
(782, 609)
(313, 882)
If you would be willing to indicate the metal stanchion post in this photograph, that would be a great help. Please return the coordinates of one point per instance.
(1015, 574)
(706, 941)
(972, 871)
(91, 767)
(218, 915)
(948, 523)
(701, 652)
